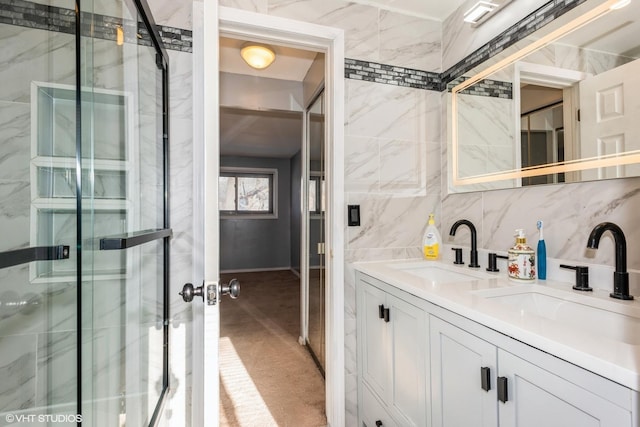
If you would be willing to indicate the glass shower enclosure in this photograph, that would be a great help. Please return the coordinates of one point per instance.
(83, 214)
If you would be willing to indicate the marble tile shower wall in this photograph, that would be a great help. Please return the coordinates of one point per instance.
(570, 211)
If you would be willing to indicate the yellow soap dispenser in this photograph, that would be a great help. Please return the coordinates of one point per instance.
(522, 260)
(431, 240)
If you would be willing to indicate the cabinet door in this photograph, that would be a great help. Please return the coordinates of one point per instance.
(457, 394)
(537, 398)
(374, 340)
(409, 340)
(373, 412)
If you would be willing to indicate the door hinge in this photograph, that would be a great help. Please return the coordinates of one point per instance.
(212, 294)
(320, 248)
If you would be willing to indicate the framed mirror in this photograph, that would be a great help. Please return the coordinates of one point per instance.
(558, 106)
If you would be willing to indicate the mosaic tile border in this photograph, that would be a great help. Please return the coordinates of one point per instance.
(486, 87)
(391, 75)
(52, 18)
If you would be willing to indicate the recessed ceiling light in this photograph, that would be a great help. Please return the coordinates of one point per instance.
(620, 4)
(479, 11)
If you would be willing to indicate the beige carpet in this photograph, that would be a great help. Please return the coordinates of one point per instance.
(266, 377)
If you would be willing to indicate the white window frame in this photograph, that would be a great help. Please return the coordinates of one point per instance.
(274, 193)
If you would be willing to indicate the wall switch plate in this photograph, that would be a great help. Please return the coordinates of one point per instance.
(353, 215)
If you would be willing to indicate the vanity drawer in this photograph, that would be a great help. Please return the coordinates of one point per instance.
(373, 413)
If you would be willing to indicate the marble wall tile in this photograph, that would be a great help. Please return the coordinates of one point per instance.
(181, 185)
(403, 167)
(172, 13)
(40, 56)
(362, 164)
(260, 6)
(14, 216)
(56, 368)
(15, 120)
(388, 222)
(408, 41)
(485, 135)
(430, 106)
(111, 295)
(360, 22)
(462, 206)
(386, 112)
(18, 370)
(569, 211)
(180, 85)
(433, 168)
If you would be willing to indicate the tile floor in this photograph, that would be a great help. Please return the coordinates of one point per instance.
(266, 377)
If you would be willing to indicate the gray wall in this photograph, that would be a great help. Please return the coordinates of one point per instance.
(258, 243)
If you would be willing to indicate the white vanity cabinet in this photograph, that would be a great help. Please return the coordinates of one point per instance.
(463, 377)
(393, 359)
(474, 382)
(474, 375)
(537, 397)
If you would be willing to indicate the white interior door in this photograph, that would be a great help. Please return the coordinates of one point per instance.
(208, 20)
(609, 111)
(206, 314)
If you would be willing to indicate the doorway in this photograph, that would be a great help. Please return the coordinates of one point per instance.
(272, 210)
(211, 23)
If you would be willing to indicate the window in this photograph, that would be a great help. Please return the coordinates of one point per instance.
(247, 192)
(316, 194)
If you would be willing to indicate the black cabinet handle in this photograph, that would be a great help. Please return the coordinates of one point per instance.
(378, 423)
(485, 378)
(503, 395)
(383, 313)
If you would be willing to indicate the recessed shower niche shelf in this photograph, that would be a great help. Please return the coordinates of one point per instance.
(109, 189)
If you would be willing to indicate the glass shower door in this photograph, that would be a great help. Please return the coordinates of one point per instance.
(124, 223)
(83, 188)
(38, 227)
(316, 224)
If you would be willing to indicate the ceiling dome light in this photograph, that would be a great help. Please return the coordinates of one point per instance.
(258, 56)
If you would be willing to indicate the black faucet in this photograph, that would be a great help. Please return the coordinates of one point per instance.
(620, 276)
(473, 263)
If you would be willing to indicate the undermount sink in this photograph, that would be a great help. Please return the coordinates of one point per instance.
(439, 273)
(615, 320)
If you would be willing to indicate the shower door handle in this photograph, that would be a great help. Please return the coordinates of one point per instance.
(37, 253)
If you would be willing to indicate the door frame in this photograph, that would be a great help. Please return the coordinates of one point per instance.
(243, 24)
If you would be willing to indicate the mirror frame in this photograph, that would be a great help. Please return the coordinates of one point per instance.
(630, 157)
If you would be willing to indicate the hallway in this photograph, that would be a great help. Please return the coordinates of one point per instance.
(266, 377)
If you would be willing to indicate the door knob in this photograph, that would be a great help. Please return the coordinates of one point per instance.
(232, 289)
(188, 292)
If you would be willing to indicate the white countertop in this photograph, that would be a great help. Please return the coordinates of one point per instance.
(613, 359)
